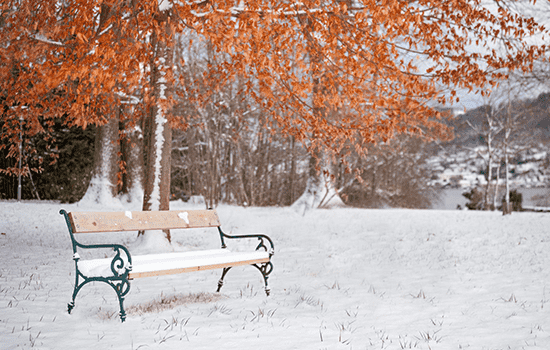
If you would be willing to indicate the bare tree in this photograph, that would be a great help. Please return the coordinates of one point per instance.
(513, 117)
(231, 152)
(489, 130)
(392, 174)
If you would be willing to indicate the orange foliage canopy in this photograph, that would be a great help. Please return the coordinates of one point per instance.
(335, 72)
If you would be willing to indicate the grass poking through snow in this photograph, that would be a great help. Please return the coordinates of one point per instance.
(167, 302)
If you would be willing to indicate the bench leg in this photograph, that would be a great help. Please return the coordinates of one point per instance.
(122, 312)
(265, 270)
(77, 287)
(220, 282)
(70, 306)
(121, 287)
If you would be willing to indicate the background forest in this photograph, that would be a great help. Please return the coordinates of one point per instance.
(137, 90)
(230, 156)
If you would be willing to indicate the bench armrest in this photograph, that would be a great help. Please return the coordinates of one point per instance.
(261, 237)
(119, 265)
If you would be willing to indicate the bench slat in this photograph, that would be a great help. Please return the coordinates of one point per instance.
(211, 266)
(87, 222)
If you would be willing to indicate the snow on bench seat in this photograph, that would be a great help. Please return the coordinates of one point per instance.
(173, 263)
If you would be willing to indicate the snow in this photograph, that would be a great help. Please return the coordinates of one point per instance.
(170, 261)
(181, 260)
(184, 216)
(165, 5)
(463, 167)
(150, 242)
(160, 120)
(41, 37)
(343, 279)
(318, 194)
(99, 192)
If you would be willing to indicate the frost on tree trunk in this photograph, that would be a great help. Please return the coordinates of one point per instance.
(157, 140)
(103, 186)
(320, 191)
(156, 196)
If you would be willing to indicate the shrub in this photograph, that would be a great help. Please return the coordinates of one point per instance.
(475, 197)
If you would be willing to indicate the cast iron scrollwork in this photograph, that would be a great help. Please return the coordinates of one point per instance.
(261, 245)
(122, 287)
(119, 266)
(266, 268)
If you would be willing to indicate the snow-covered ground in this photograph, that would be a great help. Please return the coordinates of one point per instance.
(343, 279)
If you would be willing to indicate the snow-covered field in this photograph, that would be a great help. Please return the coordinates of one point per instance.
(343, 279)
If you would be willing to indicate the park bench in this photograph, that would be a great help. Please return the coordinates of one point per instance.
(118, 270)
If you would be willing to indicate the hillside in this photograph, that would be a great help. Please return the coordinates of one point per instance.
(460, 167)
(460, 163)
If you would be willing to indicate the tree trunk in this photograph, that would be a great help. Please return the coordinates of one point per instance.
(244, 201)
(489, 170)
(495, 196)
(132, 155)
(320, 191)
(506, 210)
(506, 206)
(292, 174)
(103, 186)
(157, 139)
(211, 157)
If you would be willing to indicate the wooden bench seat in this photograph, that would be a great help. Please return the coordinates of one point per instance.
(118, 270)
(174, 263)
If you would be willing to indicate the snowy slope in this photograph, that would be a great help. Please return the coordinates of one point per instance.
(343, 279)
(464, 168)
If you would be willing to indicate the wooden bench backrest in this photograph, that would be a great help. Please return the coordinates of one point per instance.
(85, 222)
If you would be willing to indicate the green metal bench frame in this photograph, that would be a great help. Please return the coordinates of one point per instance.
(121, 268)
